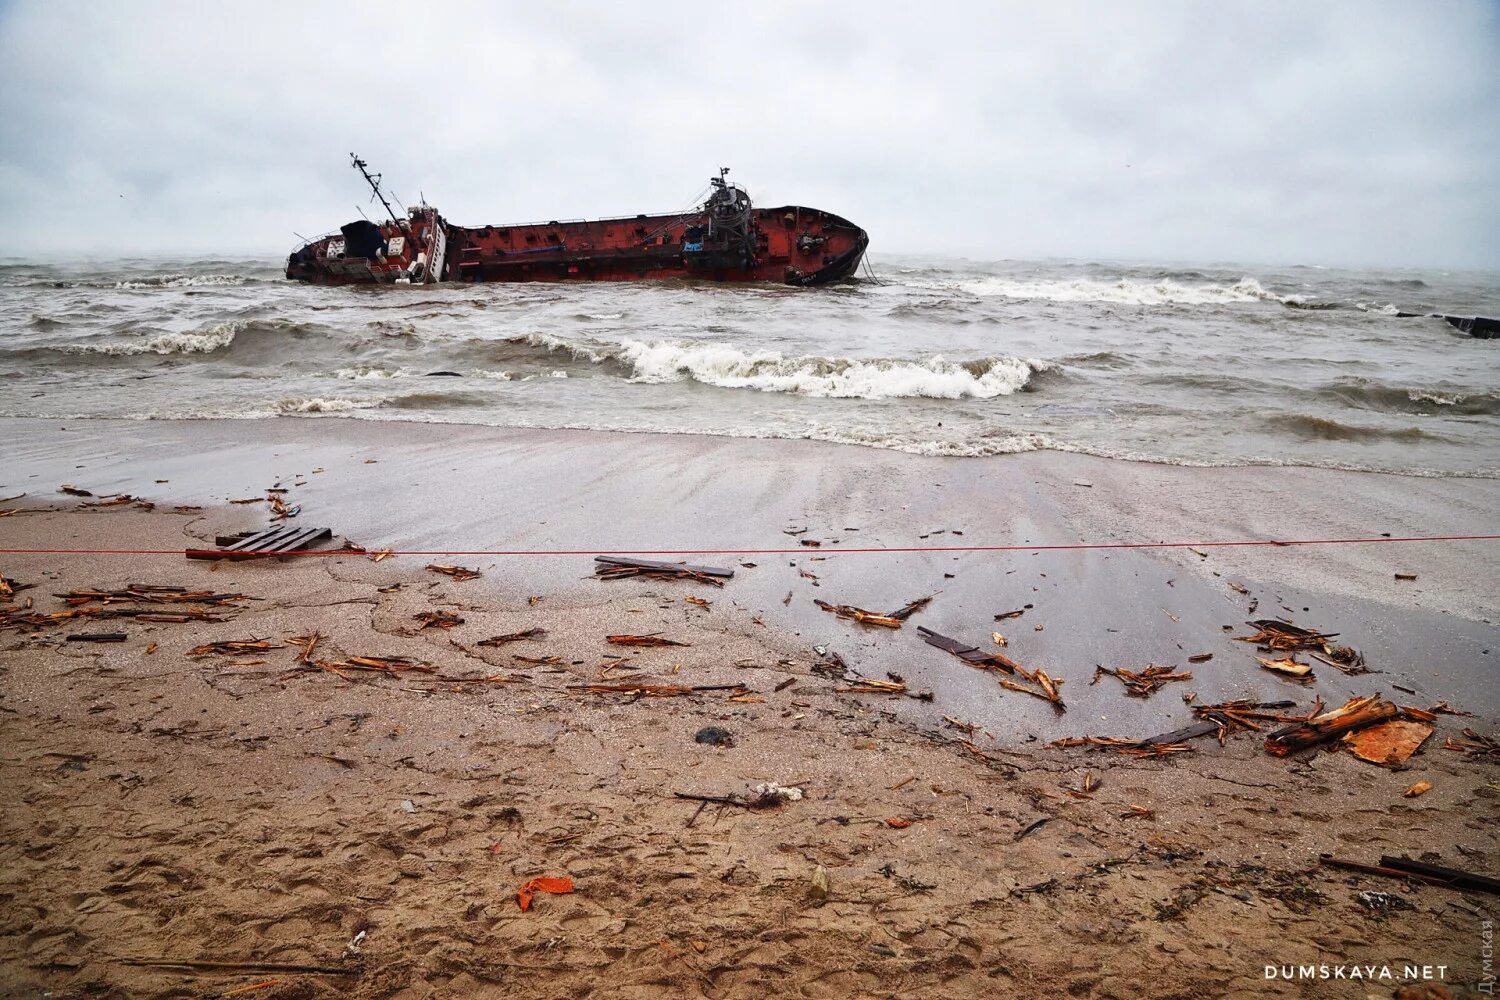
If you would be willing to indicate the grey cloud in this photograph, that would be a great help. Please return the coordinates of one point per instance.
(1317, 133)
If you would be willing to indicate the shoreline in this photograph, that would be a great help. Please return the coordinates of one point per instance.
(1050, 449)
(262, 807)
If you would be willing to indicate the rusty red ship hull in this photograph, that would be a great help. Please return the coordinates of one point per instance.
(726, 239)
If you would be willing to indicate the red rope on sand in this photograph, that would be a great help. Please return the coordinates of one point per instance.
(799, 550)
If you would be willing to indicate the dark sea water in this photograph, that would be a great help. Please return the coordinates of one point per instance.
(1205, 365)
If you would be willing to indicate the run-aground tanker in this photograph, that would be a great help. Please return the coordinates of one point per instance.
(725, 239)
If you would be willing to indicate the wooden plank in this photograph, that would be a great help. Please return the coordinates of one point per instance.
(663, 567)
(972, 655)
(1197, 729)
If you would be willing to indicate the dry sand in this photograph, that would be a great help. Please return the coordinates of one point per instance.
(239, 809)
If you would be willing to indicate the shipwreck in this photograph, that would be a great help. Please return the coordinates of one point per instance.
(726, 238)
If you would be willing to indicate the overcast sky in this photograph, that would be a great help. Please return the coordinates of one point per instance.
(1306, 132)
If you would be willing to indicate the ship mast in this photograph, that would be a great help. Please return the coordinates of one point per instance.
(374, 182)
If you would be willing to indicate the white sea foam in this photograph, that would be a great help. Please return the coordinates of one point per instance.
(204, 341)
(1125, 291)
(319, 404)
(181, 280)
(363, 373)
(839, 378)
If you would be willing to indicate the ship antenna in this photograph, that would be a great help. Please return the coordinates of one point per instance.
(374, 182)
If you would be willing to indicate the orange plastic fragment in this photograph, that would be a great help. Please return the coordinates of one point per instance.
(898, 823)
(527, 892)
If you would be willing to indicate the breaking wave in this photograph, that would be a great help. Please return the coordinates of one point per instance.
(836, 378)
(204, 341)
(320, 404)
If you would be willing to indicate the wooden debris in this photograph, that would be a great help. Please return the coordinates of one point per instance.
(458, 573)
(972, 655)
(1004, 615)
(371, 664)
(500, 640)
(1284, 637)
(1200, 657)
(276, 541)
(438, 619)
(378, 556)
(1355, 714)
(1142, 683)
(98, 637)
(280, 511)
(1420, 788)
(1134, 811)
(645, 690)
(1041, 684)
(140, 593)
(642, 640)
(1388, 743)
(892, 619)
(234, 647)
(1418, 871)
(1453, 878)
(1475, 746)
(1288, 668)
(698, 601)
(999, 639)
(307, 643)
(617, 567)
(195, 965)
(870, 685)
(74, 491)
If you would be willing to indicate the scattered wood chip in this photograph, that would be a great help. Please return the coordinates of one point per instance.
(459, 573)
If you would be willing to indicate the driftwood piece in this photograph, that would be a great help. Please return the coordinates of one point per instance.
(500, 640)
(643, 689)
(642, 640)
(1452, 877)
(1355, 714)
(972, 655)
(885, 619)
(1417, 871)
(1206, 727)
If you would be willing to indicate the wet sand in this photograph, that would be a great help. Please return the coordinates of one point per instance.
(225, 809)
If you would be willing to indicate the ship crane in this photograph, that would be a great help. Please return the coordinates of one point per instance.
(374, 181)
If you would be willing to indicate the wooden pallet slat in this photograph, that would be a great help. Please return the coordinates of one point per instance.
(278, 540)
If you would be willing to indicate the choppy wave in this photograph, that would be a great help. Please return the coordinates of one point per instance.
(1193, 365)
(1306, 425)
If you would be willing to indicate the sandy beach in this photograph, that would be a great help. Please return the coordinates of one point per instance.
(376, 826)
